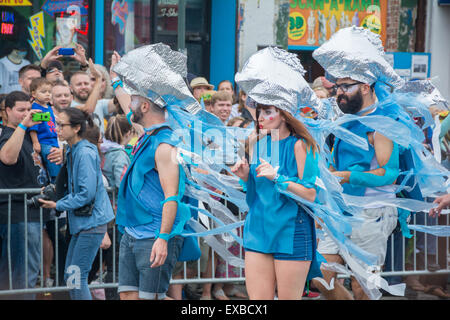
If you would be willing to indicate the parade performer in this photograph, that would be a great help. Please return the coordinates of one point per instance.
(148, 251)
(154, 199)
(279, 235)
(394, 161)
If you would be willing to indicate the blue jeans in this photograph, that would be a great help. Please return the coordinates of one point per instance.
(53, 169)
(82, 250)
(19, 269)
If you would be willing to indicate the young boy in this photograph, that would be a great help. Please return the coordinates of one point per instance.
(44, 135)
(221, 103)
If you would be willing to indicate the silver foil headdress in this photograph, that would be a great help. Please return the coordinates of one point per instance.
(357, 53)
(274, 77)
(156, 72)
(428, 90)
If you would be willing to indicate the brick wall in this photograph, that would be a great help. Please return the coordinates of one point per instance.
(392, 27)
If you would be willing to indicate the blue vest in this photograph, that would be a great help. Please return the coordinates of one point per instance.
(131, 211)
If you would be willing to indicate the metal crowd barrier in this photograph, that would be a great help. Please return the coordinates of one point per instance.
(420, 255)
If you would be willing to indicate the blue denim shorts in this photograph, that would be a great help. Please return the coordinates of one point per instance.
(304, 239)
(135, 273)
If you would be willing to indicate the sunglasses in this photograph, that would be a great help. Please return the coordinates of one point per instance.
(345, 86)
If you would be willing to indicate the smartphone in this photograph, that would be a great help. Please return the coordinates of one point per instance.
(41, 116)
(66, 51)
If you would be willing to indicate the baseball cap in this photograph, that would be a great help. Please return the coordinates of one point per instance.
(200, 81)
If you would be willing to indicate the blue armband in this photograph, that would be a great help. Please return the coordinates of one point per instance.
(173, 198)
(372, 180)
(21, 126)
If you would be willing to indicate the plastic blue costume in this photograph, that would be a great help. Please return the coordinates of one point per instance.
(348, 158)
(270, 222)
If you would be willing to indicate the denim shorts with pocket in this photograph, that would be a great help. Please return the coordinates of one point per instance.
(304, 239)
(135, 273)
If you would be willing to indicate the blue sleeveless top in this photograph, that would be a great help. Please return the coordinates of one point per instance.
(132, 208)
(270, 223)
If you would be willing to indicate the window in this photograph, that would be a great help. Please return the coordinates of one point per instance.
(128, 24)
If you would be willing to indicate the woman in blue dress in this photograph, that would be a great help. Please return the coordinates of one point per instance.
(279, 236)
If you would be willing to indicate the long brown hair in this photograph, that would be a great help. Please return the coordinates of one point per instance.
(294, 126)
(117, 128)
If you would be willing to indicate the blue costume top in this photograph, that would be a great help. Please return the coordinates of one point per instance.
(347, 157)
(132, 211)
(270, 223)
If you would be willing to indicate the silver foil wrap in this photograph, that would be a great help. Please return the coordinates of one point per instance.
(357, 53)
(156, 72)
(274, 77)
(426, 89)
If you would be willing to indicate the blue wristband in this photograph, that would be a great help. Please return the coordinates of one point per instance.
(117, 84)
(164, 236)
(22, 127)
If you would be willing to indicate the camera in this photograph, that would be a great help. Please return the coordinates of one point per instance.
(49, 193)
(41, 116)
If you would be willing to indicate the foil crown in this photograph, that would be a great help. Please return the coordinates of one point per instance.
(273, 76)
(357, 53)
(428, 90)
(157, 73)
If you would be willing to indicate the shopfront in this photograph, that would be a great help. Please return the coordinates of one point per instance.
(199, 28)
(400, 24)
(36, 26)
(183, 25)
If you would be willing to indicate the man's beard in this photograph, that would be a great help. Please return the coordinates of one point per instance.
(82, 98)
(137, 116)
(350, 105)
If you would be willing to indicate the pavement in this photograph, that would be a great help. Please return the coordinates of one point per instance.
(409, 295)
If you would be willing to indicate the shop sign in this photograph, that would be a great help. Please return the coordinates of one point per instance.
(52, 7)
(312, 22)
(7, 23)
(37, 32)
(167, 8)
(15, 3)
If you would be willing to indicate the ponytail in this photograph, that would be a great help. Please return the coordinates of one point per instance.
(79, 118)
(118, 126)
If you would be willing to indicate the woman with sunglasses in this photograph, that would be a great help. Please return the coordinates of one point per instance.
(86, 202)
